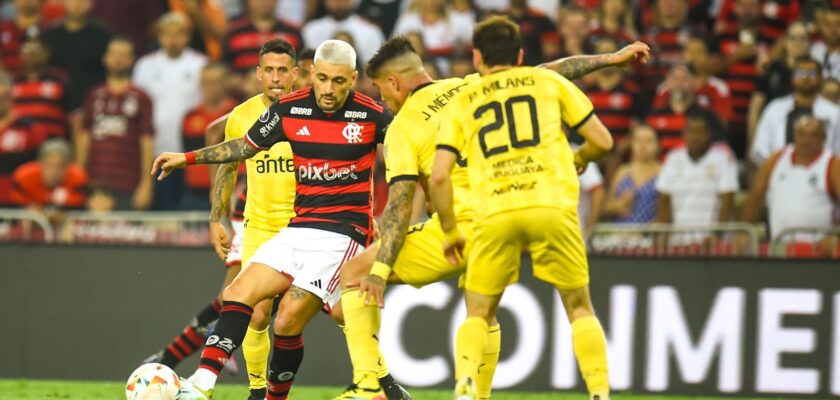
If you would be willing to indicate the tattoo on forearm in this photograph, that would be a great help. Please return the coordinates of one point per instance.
(223, 186)
(575, 67)
(225, 152)
(395, 220)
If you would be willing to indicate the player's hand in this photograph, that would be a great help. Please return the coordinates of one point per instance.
(635, 51)
(142, 198)
(167, 162)
(580, 163)
(373, 288)
(453, 249)
(219, 238)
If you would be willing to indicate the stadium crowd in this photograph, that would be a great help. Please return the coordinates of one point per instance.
(92, 90)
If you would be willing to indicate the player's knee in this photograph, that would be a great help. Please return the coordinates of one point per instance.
(235, 292)
(577, 302)
(259, 319)
(288, 323)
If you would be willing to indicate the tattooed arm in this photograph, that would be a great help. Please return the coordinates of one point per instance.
(395, 219)
(232, 150)
(577, 66)
(223, 186)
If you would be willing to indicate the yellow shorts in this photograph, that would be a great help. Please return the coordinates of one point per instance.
(254, 238)
(553, 237)
(420, 261)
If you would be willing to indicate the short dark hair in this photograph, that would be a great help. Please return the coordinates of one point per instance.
(498, 40)
(393, 48)
(306, 54)
(710, 119)
(278, 46)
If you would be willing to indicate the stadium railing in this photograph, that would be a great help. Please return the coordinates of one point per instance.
(803, 242)
(25, 226)
(728, 239)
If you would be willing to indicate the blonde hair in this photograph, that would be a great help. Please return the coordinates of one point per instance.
(336, 52)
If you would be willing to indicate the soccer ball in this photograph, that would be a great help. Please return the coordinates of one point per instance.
(153, 382)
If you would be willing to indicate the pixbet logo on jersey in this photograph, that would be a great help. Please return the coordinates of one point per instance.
(325, 173)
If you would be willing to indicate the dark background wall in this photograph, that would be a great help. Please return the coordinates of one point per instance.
(698, 326)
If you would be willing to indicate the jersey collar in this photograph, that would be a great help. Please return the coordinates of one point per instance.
(420, 87)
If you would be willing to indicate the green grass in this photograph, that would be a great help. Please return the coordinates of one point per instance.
(81, 390)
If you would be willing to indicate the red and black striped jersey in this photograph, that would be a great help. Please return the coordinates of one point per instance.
(668, 125)
(741, 77)
(242, 45)
(616, 107)
(666, 46)
(713, 95)
(334, 154)
(12, 37)
(43, 100)
(19, 143)
(776, 16)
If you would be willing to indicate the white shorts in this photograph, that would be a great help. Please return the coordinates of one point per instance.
(312, 258)
(235, 254)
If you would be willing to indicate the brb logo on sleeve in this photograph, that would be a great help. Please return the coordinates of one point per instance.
(353, 133)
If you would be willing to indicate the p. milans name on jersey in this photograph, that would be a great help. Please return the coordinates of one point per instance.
(507, 83)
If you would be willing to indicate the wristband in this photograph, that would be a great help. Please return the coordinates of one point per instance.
(190, 156)
(381, 270)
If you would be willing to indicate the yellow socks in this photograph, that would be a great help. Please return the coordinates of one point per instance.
(361, 327)
(489, 361)
(591, 352)
(470, 343)
(255, 348)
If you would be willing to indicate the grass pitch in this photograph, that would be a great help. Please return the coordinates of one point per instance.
(81, 390)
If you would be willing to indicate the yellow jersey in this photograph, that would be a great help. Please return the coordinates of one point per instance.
(271, 173)
(508, 125)
(410, 142)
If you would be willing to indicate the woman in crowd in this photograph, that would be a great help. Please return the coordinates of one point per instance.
(632, 196)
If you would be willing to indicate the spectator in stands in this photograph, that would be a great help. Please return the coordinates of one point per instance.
(831, 90)
(100, 200)
(741, 47)
(129, 18)
(776, 81)
(698, 181)
(40, 91)
(26, 24)
(461, 66)
(669, 121)
(536, 29)
(574, 34)
(666, 38)
(341, 16)
(215, 103)
(632, 194)
(776, 14)
(591, 199)
(775, 127)
(208, 18)
(305, 59)
(296, 12)
(76, 47)
(115, 144)
(383, 13)
(800, 184)
(170, 76)
(19, 140)
(613, 95)
(52, 184)
(249, 32)
(827, 50)
(615, 20)
(444, 33)
(710, 91)
(417, 42)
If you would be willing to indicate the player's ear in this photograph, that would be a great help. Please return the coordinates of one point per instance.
(394, 82)
(520, 57)
(257, 72)
(477, 59)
